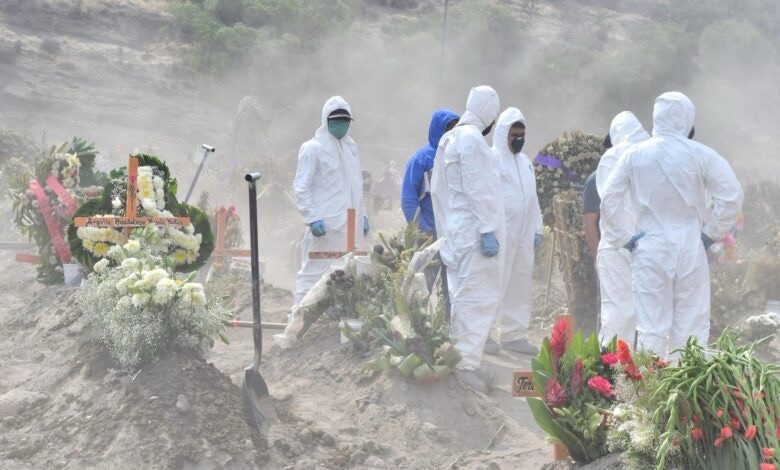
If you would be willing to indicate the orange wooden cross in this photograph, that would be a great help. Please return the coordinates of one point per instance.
(130, 221)
(351, 248)
(220, 252)
(522, 383)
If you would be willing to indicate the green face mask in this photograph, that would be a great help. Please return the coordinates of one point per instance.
(338, 127)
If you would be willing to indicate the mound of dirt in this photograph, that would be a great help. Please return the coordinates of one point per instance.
(61, 406)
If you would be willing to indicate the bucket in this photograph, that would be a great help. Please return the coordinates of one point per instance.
(353, 324)
(72, 274)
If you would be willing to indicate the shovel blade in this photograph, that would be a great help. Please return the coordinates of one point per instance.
(258, 404)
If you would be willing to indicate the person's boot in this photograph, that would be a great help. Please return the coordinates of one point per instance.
(492, 347)
(480, 379)
(520, 345)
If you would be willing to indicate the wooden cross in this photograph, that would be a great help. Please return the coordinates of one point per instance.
(130, 221)
(523, 386)
(351, 248)
(220, 252)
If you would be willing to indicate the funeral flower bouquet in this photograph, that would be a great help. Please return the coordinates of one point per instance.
(142, 309)
(44, 200)
(575, 379)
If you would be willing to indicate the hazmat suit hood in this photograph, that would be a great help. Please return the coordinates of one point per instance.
(626, 129)
(503, 124)
(333, 103)
(673, 115)
(482, 107)
(438, 125)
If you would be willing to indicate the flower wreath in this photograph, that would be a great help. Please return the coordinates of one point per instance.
(564, 164)
(189, 246)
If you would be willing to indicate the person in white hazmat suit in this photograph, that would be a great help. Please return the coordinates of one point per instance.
(328, 181)
(614, 262)
(671, 180)
(469, 213)
(523, 228)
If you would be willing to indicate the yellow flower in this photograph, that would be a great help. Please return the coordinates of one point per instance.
(180, 257)
(89, 245)
(101, 249)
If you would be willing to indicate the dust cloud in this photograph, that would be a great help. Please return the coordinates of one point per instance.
(119, 81)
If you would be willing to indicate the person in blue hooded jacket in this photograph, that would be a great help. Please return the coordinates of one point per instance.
(415, 188)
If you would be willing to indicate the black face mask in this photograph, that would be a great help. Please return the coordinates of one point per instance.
(488, 129)
(607, 142)
(691, 134)
(517, 144)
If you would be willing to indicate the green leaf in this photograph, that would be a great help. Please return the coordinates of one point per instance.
(224, 337)
(408, 364)
(378, 363)
(543, 416)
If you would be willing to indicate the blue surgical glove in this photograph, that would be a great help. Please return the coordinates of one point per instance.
(537, 240)
(708, 242)
(489, 244)
(631, 245)
(365, 225)
(317, 228)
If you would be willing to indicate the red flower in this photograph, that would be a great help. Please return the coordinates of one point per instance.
(558, 339)
(695, 418)
(725, 432)
(632, 372)
(718, 442)
(696, 434)
(750, 432)
(766, 466)
(719, 413)
(576, 377)
(734, 423)
(624, 354)
(767, 453)
(610, 358)
(601, 385)
(555, 394)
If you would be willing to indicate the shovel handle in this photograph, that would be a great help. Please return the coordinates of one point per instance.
(257, 333)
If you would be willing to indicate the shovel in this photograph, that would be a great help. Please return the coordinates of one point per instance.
(257, 401)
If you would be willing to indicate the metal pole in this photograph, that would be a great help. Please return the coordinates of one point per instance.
(206, 150)
(443, 41)
(257, 333)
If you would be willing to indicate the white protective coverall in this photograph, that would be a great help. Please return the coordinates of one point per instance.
(467, 202)
(614, 262)
(328, 181)
(523, 221)
(669, 177)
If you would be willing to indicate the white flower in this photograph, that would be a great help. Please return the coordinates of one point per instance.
(116, 203)
(154, 276)
(164, 291)
(101, 266)
(139, 300)
(193, 293)
(121, 286)
(133, 247)
(130, 264)
(116, 253)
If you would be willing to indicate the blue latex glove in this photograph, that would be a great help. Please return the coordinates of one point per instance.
(631, 245)
(537, 240)
(489, 244)
(365, 225)
(708, 242)
(317, 228)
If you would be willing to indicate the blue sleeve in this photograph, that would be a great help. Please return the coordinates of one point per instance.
(410, 188)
